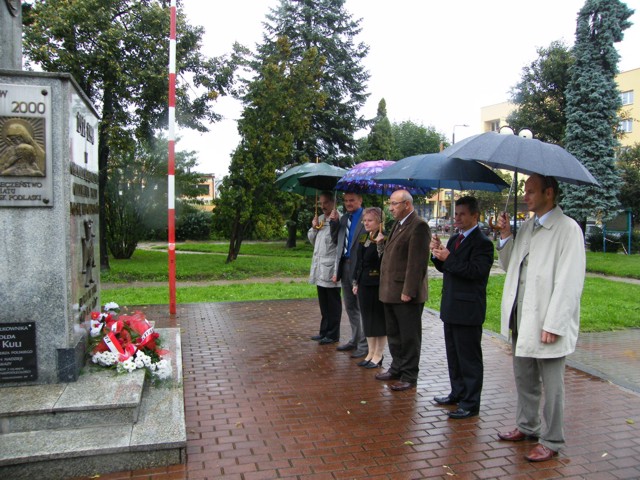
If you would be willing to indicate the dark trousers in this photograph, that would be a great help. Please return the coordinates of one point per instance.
(331, 312)
(404, 336)
(464, 357)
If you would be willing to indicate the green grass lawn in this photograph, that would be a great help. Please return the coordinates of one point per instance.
(606, 305)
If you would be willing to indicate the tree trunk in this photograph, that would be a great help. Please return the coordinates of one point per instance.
(103, 159)
(292, 228)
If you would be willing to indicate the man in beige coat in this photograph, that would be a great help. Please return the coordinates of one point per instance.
(403, 289)
(545, 267)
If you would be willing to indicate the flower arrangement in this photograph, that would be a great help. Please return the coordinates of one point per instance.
(126, 342)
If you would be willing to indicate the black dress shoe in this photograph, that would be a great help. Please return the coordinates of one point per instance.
(346, 347)
(359, 354)
(363, 363)
(402, 386)
(372, 365)
(317, 338)
(327, 341)
(462, 413)
(445, 400)
(387, 376)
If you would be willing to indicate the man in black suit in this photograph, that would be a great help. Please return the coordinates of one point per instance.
(465, 262)
(345, 232)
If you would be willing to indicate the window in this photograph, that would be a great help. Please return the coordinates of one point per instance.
(494, 125)
(626, 97)
(626, 126)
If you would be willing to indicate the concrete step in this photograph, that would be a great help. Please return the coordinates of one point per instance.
(102, 439)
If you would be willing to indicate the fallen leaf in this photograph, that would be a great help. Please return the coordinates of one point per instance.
(604, 454)
(408, 442)
(630, 422)
(364, 402)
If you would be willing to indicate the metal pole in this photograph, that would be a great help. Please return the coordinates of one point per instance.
(515, 202)
(171, 247)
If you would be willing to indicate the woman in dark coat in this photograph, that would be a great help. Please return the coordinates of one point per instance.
(366, 281)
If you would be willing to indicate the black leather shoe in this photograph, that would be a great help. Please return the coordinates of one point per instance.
(462, 413)
(327, 341)
(387, 376)
(363, 363)
(346, 347)
(372, 365)
(359, 354)
(317, 338)
(445, 400)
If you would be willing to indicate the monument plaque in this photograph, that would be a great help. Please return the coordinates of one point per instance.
(18, 359)
(25, 146)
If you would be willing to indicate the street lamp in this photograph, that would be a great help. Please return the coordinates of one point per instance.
(453, 142)
(524, 133)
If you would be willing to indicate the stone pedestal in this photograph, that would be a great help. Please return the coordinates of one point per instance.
(49, 261)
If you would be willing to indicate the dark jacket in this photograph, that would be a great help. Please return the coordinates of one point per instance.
(466, 273)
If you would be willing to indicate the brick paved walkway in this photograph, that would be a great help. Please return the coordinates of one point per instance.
(264, 402)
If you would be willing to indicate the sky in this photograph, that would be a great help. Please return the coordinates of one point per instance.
(435, 62)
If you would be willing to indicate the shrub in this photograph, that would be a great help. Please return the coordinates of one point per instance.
(193, 226)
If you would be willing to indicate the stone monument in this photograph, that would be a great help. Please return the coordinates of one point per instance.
(49, 281)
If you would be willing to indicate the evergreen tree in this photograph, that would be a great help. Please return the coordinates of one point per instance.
(328, 27)
(279, 105)
(541, 94)
(593, 102)
(380, 139)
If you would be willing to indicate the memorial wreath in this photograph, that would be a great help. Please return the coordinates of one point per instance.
(126, 342)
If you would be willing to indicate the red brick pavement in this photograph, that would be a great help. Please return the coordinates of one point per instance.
(262, 401)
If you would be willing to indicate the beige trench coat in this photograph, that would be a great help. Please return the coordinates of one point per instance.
(553, 285)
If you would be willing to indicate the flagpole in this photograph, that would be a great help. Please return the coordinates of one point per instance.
(171, 163)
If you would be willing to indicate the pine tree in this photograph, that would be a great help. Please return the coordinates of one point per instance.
(593, 102)
(380, 139)
(327, 26)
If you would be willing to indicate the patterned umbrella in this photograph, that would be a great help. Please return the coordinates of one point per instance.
(360, 179)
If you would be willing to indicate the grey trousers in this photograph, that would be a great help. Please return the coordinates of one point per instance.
(353, 312)
(534, 378)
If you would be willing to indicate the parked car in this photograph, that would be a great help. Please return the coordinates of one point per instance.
(484, 228)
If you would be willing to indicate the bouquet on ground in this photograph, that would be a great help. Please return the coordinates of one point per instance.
(126, 342)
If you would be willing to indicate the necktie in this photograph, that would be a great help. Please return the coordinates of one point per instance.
(345, 250)
(536, 224)
(458, 241)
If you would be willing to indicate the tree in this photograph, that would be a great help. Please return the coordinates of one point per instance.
(380, 143)
(279, 106)
(629, 165)
(593, 101)
(328, 27)
(541, 94)
(117, 52)
(137, 193)
(412, 139)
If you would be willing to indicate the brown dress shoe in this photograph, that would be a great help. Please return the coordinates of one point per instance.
(400, 386)
(514, 436)
(387, 376)
(540, 453)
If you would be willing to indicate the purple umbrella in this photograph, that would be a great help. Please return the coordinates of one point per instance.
(360, 179)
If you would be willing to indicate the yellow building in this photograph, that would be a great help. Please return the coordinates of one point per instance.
(492, 117)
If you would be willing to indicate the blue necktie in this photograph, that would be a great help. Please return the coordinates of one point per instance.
(345, 251)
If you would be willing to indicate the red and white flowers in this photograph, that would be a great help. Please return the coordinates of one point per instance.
(126, 342)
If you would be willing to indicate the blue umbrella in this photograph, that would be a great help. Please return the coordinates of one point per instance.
(436, 170)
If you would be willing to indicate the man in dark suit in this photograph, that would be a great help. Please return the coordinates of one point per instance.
(345, 232)
(465, 262)
(403, 289)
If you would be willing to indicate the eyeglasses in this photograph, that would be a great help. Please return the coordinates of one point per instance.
(393, 204)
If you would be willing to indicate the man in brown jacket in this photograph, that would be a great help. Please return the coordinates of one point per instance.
(403, 289)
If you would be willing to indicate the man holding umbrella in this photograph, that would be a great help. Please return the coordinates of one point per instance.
(345, 232)
(545, 267)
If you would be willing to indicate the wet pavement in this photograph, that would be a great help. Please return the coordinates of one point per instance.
(262, 401)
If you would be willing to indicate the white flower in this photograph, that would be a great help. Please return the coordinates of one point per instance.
(112, 307)
(163, 369)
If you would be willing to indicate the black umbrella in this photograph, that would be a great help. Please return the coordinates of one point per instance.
(289, 181)
(519, 154)
(435, 170)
